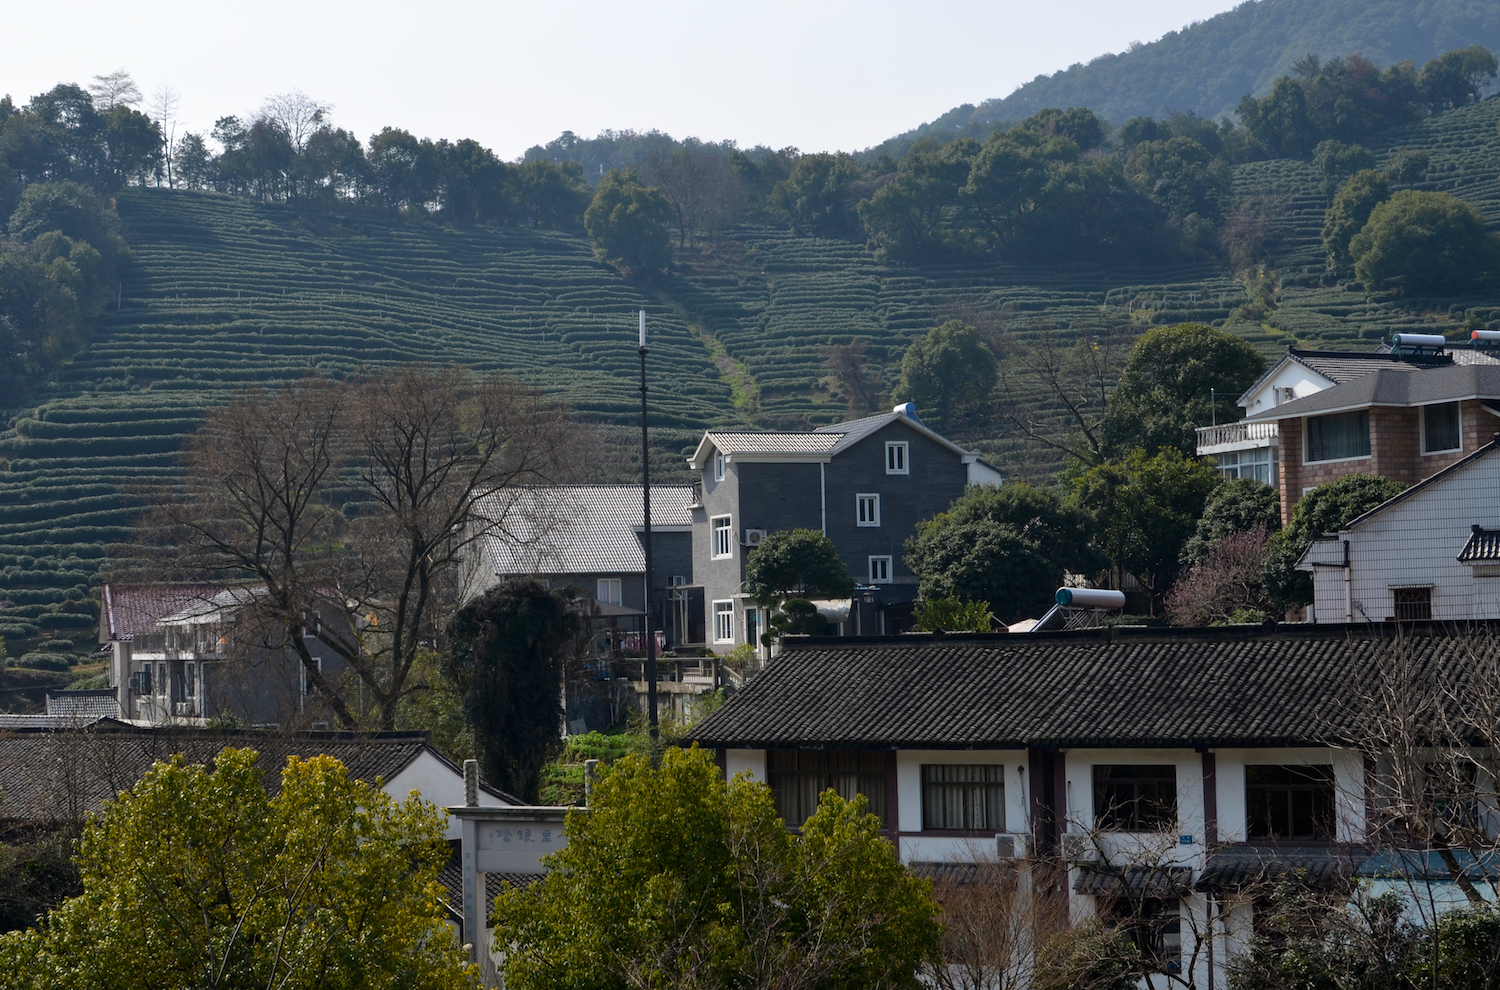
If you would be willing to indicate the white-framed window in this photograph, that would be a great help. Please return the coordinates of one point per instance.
(1441, 428)
(724, 622)
(723, 530)
(867, 508)
(609, 591)
(676, 580)
(880, 570)
(719, 465)
(895, 458)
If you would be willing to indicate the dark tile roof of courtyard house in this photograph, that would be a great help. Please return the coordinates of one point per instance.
(1482, 547)
(49, 775)
(1234, 686)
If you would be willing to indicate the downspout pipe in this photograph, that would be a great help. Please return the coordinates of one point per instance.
(823, 492)
(1348, 586)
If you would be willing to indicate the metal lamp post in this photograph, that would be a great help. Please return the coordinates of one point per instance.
(646, 543)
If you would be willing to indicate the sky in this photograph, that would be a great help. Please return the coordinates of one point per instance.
(818, 75)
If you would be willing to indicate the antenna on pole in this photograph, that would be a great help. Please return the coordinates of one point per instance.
(649, 631)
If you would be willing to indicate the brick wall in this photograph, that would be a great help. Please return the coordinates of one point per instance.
(1395, 451)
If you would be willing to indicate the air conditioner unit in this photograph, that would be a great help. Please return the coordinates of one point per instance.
(1013, 845)
(754, 537)
(1079, 848)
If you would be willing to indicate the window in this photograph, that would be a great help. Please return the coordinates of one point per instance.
(723, 537)
(895, 458)
(798, 776)
(1289, 802)
(1412, 604)
(1135, 798)
(880, 570)
(1336, 438)
(308, 687)
(1440, 428)
(1254, 463)
(963, 796)
(608, 591)
(868, 507)
(723, 622)
(719, 465)
(676, 580)
(1153, 925)
(1450, 797)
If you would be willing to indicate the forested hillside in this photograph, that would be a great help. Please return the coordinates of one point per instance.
(783, 289)
(1206, 67)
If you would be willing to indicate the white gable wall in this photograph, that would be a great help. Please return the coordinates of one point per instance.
(1414, 543)
(1290, 375)
(437, 782)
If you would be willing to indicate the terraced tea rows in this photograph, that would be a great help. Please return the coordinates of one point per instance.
(224, 293)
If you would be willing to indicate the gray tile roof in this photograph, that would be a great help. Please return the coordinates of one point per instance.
(1483, 546)
(89, 705)
(134, 608)
(1135, 881)
(1341, 368)
(1396, 386)
(774, 443)
(48, 776)
(577, 529)
(1235, 686)
(1235, 867)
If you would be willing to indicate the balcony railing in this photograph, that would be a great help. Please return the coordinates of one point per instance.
(1241, 432)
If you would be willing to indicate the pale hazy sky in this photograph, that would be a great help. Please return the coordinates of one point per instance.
(816, 74)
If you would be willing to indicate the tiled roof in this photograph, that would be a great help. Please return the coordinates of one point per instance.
(1320, 867)
(134, 608)
(452, 879)
(1108, 687)
(1340, 368)
(87, 705)
(577, 529)
(1135, 881)
(774, 443)
(1396, 385)
(58, 775)
(1483, 546)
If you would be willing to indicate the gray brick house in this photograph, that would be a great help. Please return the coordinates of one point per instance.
(865, 483)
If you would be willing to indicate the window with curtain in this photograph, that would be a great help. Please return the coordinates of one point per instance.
(798, 776)
(963, 796)
(1440, 428)
(1332, 438)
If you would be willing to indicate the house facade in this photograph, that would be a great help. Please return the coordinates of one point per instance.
(1204, 764)
(1431, 552)
(180, 653)
(590, 538)
(865, 484)
(1315, 416)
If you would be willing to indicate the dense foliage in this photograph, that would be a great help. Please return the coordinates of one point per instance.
(1177, 379)
(505, 654)
(1237, 506)
(629, 224)
(199, 878)
(746, 903)
(800, 563)
(1422, 243)
(1007, 545)
(1145, 510)
(1326, 509)
(947, 373)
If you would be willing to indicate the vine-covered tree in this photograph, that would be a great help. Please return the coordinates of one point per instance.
(506, 653)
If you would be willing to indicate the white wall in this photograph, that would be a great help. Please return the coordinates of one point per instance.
(435, 781)
(1349, 786)
(1289, 375)
(753, 760)
(1416, 542)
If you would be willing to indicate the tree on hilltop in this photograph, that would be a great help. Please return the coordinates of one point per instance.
(629, 221)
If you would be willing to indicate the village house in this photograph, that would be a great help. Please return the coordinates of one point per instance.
(1404, 413)
(865, 484)
(1431, 552)
(1169, 773)
(181, 653)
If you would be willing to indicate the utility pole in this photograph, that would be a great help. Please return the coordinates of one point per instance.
(646, 544)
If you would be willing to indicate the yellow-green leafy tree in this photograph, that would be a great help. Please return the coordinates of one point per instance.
(201, 878)
(678, 878)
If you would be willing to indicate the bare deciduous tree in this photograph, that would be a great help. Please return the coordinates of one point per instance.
(706, 193)
(114, 89)
(298, 114)
(1074, 381)
(996, 916)
(860, 384)
(347, 506)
